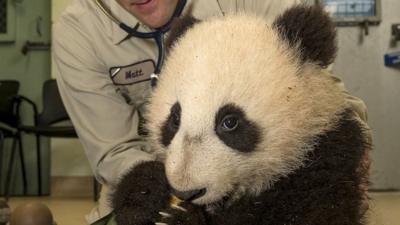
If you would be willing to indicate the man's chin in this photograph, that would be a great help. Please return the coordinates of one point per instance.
(155, 20)
(154, 13)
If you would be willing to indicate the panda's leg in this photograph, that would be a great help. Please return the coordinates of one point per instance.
(141, 194)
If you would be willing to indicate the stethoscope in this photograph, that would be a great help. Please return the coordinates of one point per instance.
(157, 35)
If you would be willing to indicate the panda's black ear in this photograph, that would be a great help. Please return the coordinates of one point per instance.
(311, 31)
(179, 27)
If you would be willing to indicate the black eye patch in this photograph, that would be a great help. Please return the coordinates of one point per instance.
(171, 125)
(235, 130)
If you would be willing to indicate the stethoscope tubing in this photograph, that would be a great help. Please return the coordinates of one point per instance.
(157, 35)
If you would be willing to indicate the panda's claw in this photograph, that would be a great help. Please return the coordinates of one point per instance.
(179, 208)
(160, 223)
(164, 214)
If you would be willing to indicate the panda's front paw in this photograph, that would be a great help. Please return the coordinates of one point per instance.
(182, 213)
(141, 194)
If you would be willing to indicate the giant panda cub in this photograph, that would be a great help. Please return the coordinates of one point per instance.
(250, 129)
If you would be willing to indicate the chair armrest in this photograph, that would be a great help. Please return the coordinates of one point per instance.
(20, 99)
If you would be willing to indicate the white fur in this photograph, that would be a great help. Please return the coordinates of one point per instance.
(239, 59)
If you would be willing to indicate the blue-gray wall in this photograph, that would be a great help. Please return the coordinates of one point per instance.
(32, 23)
(360, 65)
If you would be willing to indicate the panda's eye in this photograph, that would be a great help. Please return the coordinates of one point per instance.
(235, 130)
(229, 123)
(175, 120)
(175, 117)
(171, 125)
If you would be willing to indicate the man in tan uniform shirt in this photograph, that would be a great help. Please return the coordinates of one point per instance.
(89, 52)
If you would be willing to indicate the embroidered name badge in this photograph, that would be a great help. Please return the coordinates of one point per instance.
(133, 73)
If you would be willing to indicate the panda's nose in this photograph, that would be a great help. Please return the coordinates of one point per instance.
(189, 195)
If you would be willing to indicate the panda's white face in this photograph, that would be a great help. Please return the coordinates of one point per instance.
(235, 111)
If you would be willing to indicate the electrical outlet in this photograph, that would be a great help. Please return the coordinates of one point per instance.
(396, 31)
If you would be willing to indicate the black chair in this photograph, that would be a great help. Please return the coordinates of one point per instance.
(48, 123)
(10, 120)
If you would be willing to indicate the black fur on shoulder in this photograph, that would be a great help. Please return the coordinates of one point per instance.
(179, 28)
(140, 195)
(310, 29)
(330, 189)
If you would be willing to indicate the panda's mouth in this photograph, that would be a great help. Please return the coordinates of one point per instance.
(221, 204)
